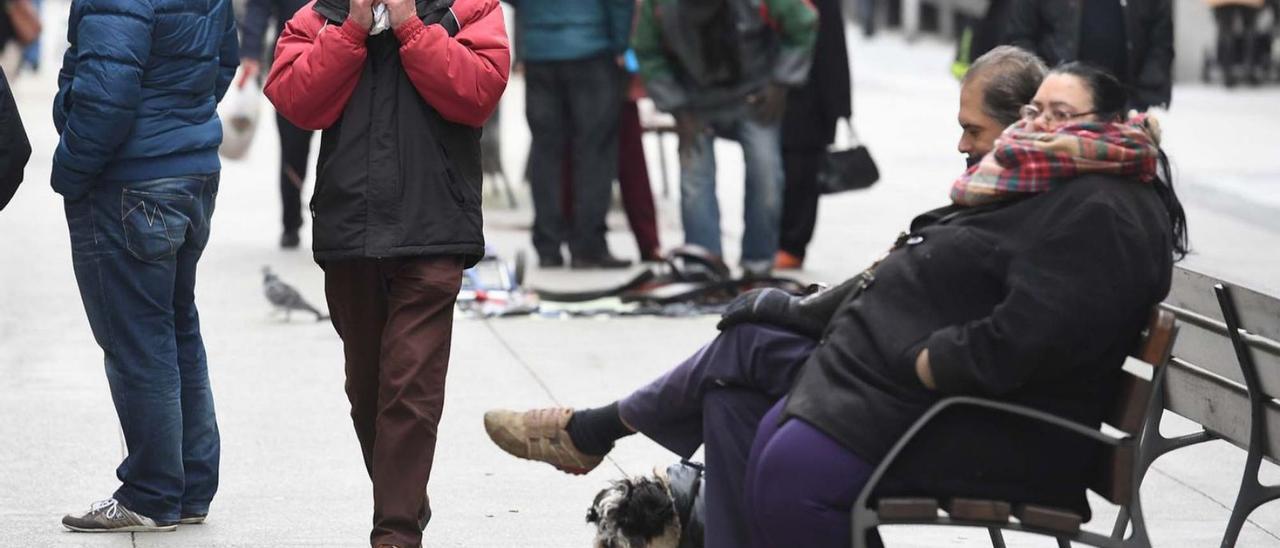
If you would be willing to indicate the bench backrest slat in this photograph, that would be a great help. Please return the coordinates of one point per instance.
(1206, 346)
(1204, 381)
(1221, 406)
(1259, 313)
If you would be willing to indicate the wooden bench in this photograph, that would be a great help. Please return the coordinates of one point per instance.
(1209, 353)
(1225, 376)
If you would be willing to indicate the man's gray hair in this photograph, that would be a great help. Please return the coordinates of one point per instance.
(1010, 78)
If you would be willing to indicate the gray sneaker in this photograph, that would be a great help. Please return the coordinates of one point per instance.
(192, 519)
(109, 516)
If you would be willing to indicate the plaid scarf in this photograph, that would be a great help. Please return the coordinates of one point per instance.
(1026, 162)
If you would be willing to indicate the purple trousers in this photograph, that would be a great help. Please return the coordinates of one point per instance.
(792, 483)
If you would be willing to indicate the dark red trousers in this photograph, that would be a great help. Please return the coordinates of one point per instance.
(633, 181)
(395, 317)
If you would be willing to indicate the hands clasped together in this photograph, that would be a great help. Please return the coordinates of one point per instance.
(398, 11)
(362, 12)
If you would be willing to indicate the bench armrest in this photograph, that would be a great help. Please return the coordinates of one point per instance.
(864, 498)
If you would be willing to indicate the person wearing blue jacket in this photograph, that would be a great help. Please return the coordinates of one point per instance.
(572, 51)
(138, 168)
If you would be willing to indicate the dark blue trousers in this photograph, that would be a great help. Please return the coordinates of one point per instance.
(717, 398)
(135, 246)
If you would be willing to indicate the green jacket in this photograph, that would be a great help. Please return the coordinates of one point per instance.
(711, 68)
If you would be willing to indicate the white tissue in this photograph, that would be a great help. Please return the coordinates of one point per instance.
(381, 19)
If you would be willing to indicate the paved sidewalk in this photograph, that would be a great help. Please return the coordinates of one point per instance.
(292, 474)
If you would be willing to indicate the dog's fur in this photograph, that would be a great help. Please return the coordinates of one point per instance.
(642, 513)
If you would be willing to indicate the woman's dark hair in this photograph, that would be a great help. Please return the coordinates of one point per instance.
(1110, 97)
(1110, 102)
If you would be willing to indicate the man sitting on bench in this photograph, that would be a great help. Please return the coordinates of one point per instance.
(1031, 288)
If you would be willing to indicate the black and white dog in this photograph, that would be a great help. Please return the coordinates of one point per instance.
(662, 511)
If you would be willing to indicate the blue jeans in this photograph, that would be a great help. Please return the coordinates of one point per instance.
(135, 246)
(699, 208)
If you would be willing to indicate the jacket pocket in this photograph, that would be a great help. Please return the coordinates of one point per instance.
(451, 180)
(154, 228)
(455, 188)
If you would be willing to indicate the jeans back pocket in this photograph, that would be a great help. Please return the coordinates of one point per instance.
(154, 225)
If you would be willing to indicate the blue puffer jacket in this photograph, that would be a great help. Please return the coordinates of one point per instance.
(139, 88)
(565, 30)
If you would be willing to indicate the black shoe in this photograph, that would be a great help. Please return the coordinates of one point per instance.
(599, 262)
(551, 261)
(290, 240)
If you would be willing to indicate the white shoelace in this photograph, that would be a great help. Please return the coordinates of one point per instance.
(109, 508)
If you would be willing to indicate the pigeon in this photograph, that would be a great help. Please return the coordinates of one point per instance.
(284, 297)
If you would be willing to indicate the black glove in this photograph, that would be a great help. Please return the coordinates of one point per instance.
(807, 315)
(769, 104)
(771, 306)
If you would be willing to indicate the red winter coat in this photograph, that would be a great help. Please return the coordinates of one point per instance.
(318, 64)
(399, 168)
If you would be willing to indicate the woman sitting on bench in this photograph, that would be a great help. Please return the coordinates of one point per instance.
(1032, 287)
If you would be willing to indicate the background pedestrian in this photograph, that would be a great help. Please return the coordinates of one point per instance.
(808, 128)
(138, 167)
(571, 51)
(1132, 39)
(295, 142)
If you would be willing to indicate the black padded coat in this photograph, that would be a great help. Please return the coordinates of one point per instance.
(1036, 302)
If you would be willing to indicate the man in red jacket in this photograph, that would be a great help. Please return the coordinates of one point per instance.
(401, 98)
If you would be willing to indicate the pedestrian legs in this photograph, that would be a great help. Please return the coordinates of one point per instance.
(135, 246)
(762, 151)
(395, 318)
(699, 207)
(593, 90)
(800, 199)
(633, 179)
(546, 109)
(295, 147)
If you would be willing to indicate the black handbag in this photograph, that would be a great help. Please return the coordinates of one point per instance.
(849, 168)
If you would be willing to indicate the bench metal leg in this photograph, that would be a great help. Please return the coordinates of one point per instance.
(1252, 492)
(997, 538)
(1151, 446)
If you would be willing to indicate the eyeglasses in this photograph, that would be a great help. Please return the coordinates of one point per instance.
(1055, 115)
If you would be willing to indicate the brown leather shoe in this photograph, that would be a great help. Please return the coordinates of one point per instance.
(539, 434)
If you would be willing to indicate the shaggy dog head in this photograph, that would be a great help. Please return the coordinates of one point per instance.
(635, 513)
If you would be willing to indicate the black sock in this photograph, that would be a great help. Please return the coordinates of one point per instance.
(593, 431)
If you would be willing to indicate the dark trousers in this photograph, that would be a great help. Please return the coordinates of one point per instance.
(574, 104)
(395, 317)
(800, 198)
(1237, 42)
(717, 398)
(135, 246)
(633, 181)
(295, 147)
(801, 485)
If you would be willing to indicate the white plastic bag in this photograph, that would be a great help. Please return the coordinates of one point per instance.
(239, 114)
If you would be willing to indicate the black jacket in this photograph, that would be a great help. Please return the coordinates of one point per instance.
(1037, 302)
(15, 149)
(1051, 29)
(814, 108)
